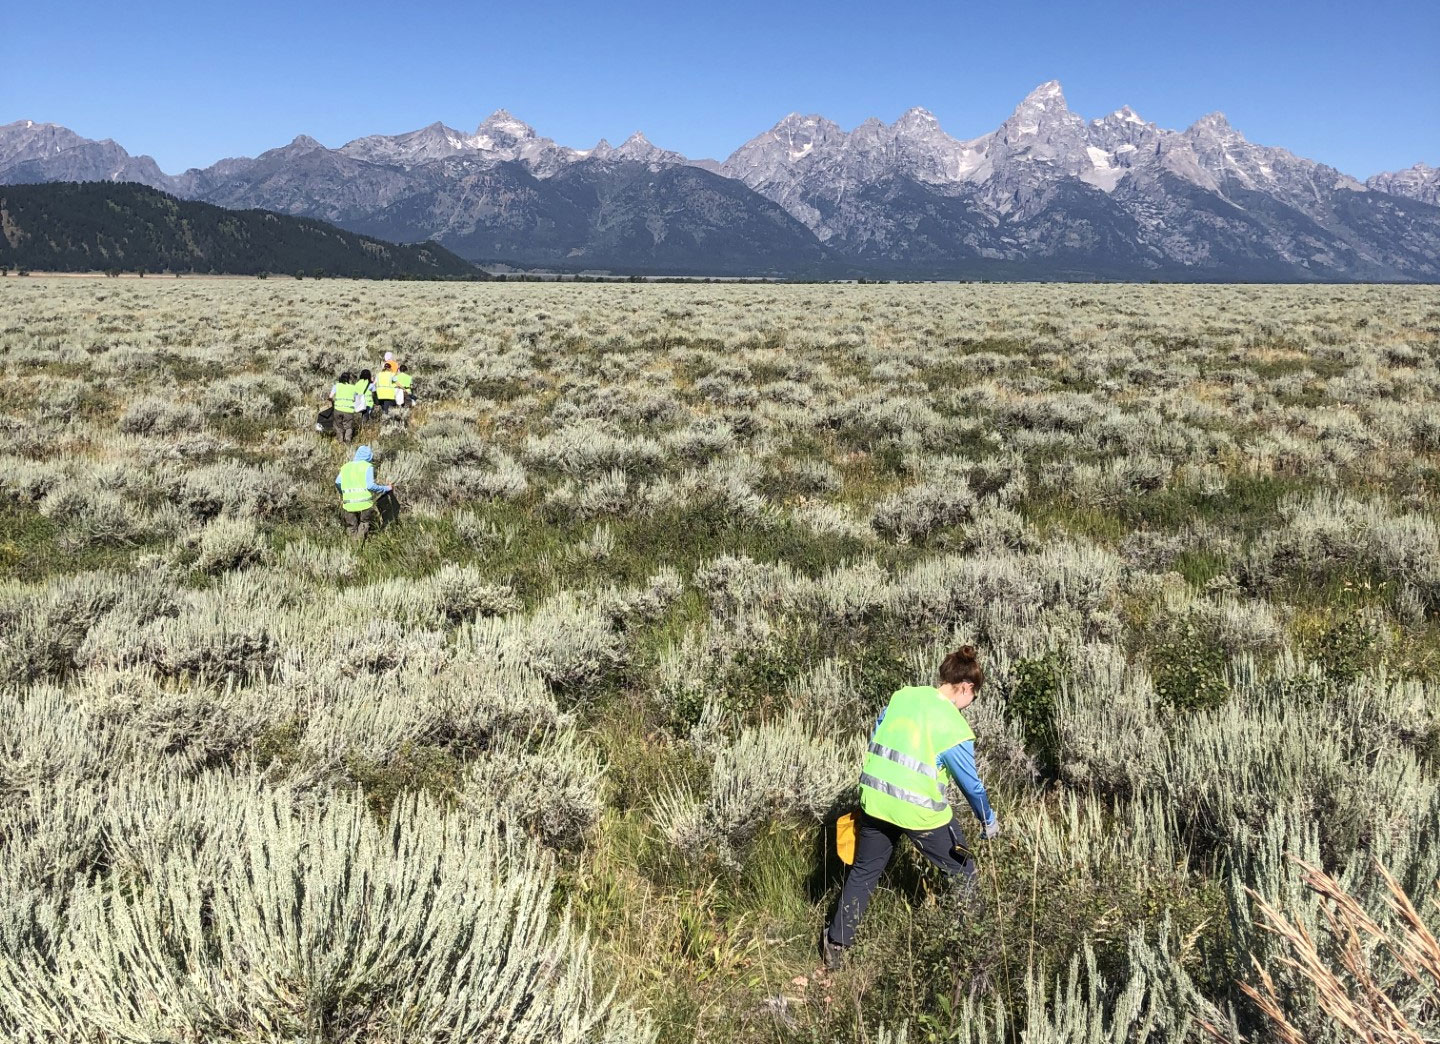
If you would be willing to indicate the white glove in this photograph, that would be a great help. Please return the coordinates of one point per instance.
(991, 828)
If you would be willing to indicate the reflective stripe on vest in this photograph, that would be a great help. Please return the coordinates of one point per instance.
(355, 492)
(385, 386)
(867, 780)
(912, 764)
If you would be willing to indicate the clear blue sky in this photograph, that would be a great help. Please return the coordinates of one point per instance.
(1356, 85)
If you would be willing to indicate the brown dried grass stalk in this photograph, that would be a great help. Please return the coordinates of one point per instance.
(1350, 993)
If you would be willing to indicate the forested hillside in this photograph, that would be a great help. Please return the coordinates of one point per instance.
(99, 226)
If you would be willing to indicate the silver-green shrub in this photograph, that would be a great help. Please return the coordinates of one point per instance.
(281, 924)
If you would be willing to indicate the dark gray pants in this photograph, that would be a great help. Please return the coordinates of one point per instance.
(873, 847)
(357, 523)
(345, 426)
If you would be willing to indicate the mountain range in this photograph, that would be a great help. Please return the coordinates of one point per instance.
(1047, 194)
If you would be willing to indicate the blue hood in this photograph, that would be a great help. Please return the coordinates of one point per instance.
(363, 453)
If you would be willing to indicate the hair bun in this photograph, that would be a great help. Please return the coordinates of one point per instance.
(962, 666)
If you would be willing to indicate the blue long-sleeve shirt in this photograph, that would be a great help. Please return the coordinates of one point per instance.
(370, 483)
(959, 762)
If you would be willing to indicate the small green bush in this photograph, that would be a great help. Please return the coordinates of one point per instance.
(1031, 700)
(1348, 647)
(1188, 665)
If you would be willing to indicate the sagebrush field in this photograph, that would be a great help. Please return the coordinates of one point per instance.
(552, 759)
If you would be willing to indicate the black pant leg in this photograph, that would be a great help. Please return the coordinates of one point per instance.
(937, 846)
(873, 847)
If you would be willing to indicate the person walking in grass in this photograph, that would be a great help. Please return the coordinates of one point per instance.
(365, 386)
(358, 490)
(385, 389)
(342, 398)
(921, 741)
(404, 387)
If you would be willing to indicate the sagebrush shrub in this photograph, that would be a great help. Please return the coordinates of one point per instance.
(459, 942)
(664, 552)
(226, 544)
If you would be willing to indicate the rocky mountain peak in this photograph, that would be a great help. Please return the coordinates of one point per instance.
(501, 123)
(1122, 131)
(1214, 125)
(795, 137)
(27, 140)
(807, 127)
(639, 148)
(432, 142)
(1420, 182)
(1124, 114)
(917, 123)
(1049, 95)
(1043, 128)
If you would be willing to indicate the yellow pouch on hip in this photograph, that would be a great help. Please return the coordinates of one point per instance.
(845, 829)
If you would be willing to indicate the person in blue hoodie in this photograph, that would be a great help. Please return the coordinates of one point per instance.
(358, 489)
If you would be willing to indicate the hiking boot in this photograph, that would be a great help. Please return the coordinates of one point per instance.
(833, 955)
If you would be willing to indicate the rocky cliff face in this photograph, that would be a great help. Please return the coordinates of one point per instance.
(606, 212)
(1045, 194)
(33, 152)
(1117, 193)
(1420, 182)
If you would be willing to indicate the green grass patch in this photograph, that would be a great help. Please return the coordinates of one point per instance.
(33, 547)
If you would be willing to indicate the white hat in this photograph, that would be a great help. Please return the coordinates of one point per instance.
(389, 356)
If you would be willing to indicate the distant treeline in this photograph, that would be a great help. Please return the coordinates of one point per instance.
(124, 227)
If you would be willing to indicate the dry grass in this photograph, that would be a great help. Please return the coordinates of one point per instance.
(1351, 987)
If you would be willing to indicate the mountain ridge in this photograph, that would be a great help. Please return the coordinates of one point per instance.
(1046, 188)
(103, 226)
